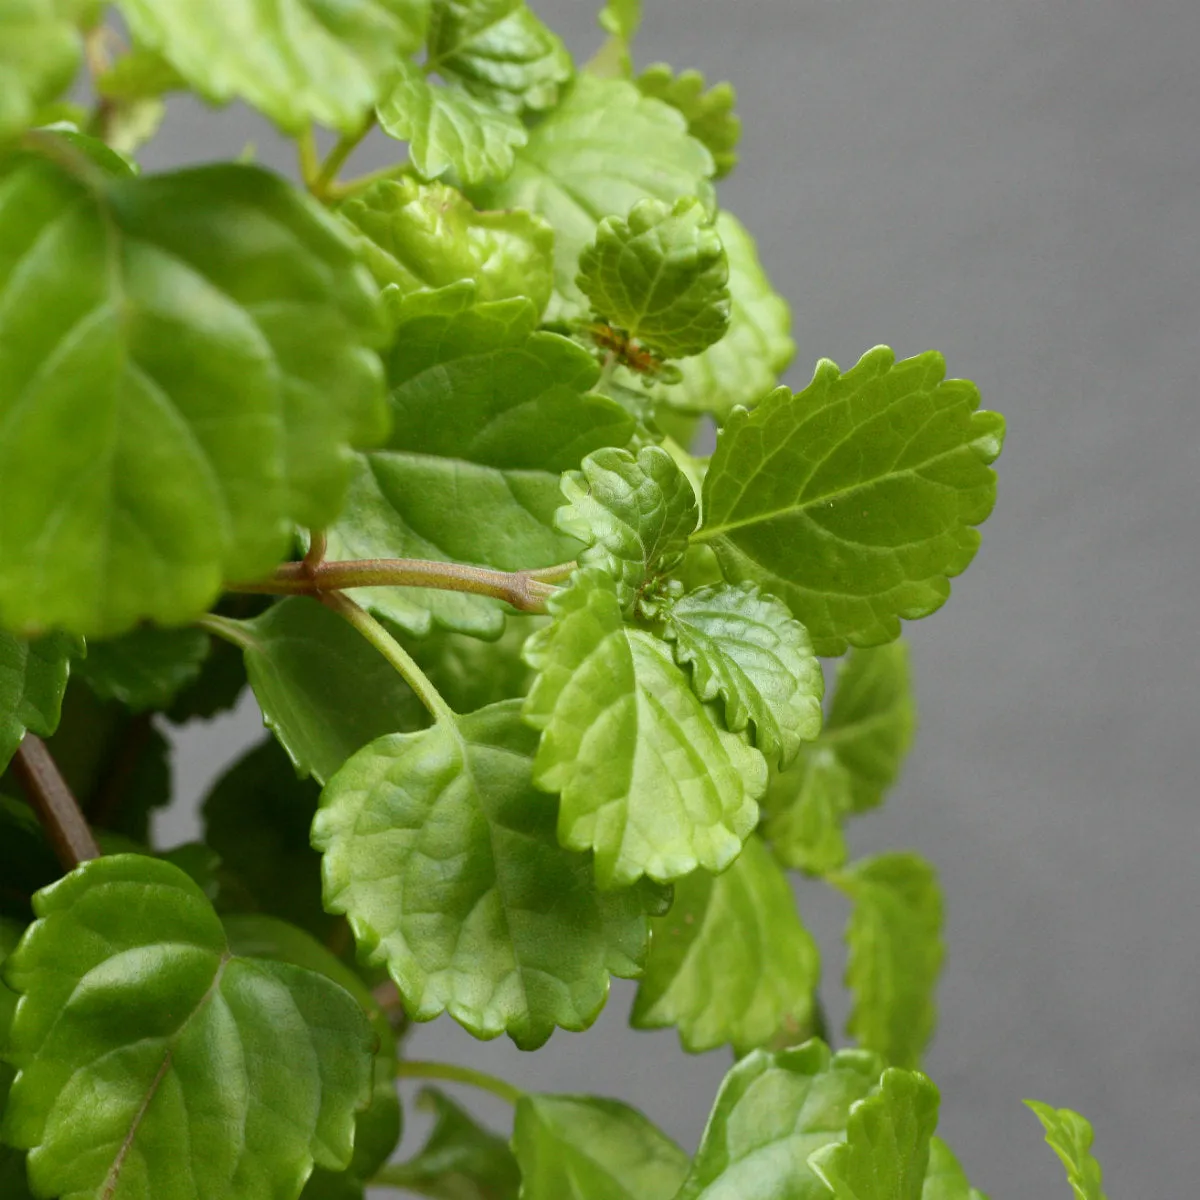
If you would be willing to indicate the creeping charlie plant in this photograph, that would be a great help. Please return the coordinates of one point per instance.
(409, 454)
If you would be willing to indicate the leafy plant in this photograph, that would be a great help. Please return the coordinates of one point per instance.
(411, 455)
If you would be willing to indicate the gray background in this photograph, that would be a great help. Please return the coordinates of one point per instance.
(1013, 182)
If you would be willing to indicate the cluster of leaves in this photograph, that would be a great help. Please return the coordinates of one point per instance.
(560, 714)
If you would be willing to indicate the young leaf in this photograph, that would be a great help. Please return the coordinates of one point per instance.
(747, 362)
(142, 1106)
(661, 275)
(297, 61)
(40, 48)
(649, 779)
(592, 1149)
(187, 329)
(709, 115)
(895, 944)
(772, 1112)
(855, 501)
(886, 1151)
(746, 648)
(1070, 1137)
(621, 18)
(324, 692)
(488, 414)
(427, 235)
(945, 1178)
(448, 130)
(442, 856)
(499, 51)
(33, 678)
(145, 668)
(731, 961)
(460, 1160)
(604, 148)
(633, 515)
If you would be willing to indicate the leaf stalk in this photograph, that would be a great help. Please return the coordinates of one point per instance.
(452, 1073)
(55, 804)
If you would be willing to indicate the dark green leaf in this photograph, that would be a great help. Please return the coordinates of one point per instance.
(945, 1178)
(188, 329)
(499, 51)
(650, 780)
(731, 961)
(40, 49)
(217, 688)
(592, 1149)
(443, 857)
(709, 114)
(427, 235)
(26, 861)
(33, 677)
(145, 668)
(204, 1042)
(895, 953)
(1070, 1137)
(886, 1151)
(855, 501)
(604, 148)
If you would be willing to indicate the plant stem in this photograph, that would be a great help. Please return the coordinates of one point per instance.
(227, 629)
(310, 166)
(54, 804)
(342, 191)
(320, 183)
(391, 649)
(451, 1073)
(526, 591)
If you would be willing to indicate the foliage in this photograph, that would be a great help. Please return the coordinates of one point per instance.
(542, 688)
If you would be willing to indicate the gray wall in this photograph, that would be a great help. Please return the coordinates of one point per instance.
(1015, 183)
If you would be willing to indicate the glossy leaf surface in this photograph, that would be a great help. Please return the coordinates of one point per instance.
(709, 114)
(13, 1183)
(945, 1179)
(40, 49)
(1070, 1137)
(33, 678)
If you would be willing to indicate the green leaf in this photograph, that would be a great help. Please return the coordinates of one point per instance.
(26, 861)
(731, 961)
(470, 674)
(886, 1150)
(448, 130)
(747, 362)
(13, 1185)
(188, 329)
(442, 856)
(427, 235)
(1070, 1137)
(855, 501)
(217, 688)
(709, 114)
(772, 1112)
(649, 779)
(145, 668)
(139, 75)
(633, 515)
(895, 953)
(324, 691)
(746, 648)
(589, 1148)
(33, 678)
(805, 806)
(604, 148)
(297, 61)
(488, 414)
(621, 18)
(499, 51)
(945, 1178)
(205, 1042)
(460, 1160)
(661, 275)
(40, 49)
(257, 818)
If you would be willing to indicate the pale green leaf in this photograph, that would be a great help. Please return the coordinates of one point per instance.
(297, 61)
(1070, 1137)
(189, 330)
(945, 1179)
(138, 75)
(449, 130)
(805, 806)
(731, 961)
(856, 500)
(588, 1148)
(40, 49)
(604, 148)
(772, 1112)
(427, 235)
(886, 1151)
(661, 275)
(33, 678)
(13, 1183)
(206, 1042)
(895, 953)
(443, 857)
(633, 515)
(746, 648)
(649, 778)
(709, 114)
(747, 362)
(488, 414)
(499, 51)
(621, 18)
(145, 668)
